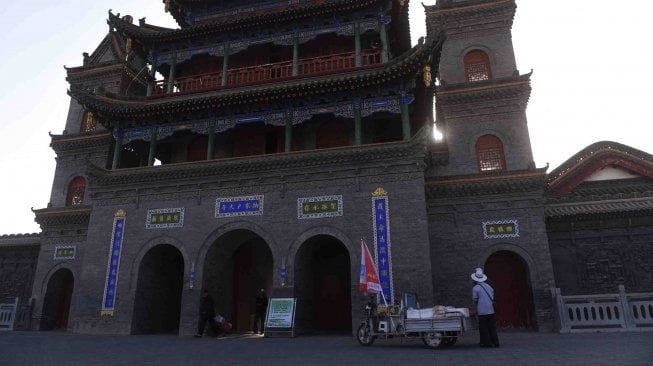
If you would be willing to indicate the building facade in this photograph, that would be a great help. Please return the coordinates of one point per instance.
(259, 143)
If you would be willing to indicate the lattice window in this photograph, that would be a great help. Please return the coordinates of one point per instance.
(477, 66)
(89, 122)
(489, 154)
(76, 190)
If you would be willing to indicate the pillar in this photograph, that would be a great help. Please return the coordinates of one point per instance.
(357, 42)
(225, 63)
(405, 118)
(358, 134)
(288, 137)
(150, 157)
(295, 55)
(211, 143)
(384, 43)
(171, 75)
(152, 81)
(117, 150)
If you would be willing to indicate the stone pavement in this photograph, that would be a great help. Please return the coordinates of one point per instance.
(517, 348)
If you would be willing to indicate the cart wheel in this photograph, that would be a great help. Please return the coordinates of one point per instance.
(363, 335)
(433, 339)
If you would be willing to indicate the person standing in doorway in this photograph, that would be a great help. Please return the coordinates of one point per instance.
(260, 309)
(483, 298)
(207, 314)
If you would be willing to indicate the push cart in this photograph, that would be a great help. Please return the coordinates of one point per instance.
(439, 328)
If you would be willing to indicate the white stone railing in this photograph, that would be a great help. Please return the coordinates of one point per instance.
(604, 312)
(8, 315)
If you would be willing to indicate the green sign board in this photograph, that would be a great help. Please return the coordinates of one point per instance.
(65, 252)
(500, 229)
(319, 207)
(281, 313)
(165, 218)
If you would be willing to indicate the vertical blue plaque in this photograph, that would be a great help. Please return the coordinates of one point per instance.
(109, 298)
(382, 246)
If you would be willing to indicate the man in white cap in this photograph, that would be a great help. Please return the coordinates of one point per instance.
(483, 297)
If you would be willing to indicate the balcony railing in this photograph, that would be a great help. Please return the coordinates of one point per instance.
(605, 312)
(266, 73)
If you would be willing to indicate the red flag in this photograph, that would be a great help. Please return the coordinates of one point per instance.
(369, 278)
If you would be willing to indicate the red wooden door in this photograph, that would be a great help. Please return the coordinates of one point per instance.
(63, 307)
(509, 275)
(243, 289)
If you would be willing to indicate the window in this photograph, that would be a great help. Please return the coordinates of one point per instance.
(89, 122)
(489, 154)
(477, 66)
(76, 190)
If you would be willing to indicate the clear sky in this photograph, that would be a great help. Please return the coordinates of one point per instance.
(592, 80)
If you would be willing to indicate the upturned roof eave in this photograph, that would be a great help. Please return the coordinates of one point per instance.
(571, 173)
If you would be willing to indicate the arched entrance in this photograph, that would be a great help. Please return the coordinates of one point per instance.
(237, 265)
(157, 302)
(323, 285)
(56, 302)
(508, 272)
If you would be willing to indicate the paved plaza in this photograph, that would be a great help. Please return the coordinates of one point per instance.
(517, 348)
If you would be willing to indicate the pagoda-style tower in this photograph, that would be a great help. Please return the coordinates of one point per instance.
(486, 201)
(251, 148)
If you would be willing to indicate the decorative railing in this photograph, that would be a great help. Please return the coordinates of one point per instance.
(268, 73)
(8, 315)
(604, 312)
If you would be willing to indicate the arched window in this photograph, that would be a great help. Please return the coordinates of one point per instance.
(89, 122)
(477, 66)
(489, 154)
(76, 190)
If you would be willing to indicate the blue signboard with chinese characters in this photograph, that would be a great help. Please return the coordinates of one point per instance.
(109, 298)
(381, 224)
(239, 206)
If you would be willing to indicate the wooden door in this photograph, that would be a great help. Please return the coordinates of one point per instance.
(509, 276)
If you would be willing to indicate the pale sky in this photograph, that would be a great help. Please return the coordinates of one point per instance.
(592, 80)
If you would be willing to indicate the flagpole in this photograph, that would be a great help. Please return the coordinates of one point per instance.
(374, 265)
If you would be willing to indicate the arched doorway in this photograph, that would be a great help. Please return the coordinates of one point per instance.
(157, 302)
(56, 302)
(237, 265)
(508, 273)
(323, 285)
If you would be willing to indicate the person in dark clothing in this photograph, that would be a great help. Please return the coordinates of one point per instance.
(207, 314)
(483, 296)
(260, 308)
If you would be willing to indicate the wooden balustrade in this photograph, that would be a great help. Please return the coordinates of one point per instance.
(267, 73)
(259, 73)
